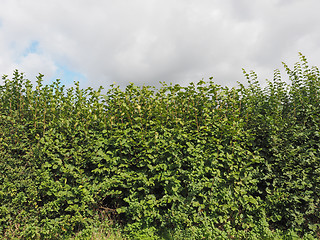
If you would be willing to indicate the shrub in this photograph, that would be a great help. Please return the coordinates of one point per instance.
(197, 162)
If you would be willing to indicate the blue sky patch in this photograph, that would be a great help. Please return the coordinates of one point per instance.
(68, 76)
(32, 48)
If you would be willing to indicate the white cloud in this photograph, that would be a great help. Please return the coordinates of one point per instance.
(35, 64)
(150, 41)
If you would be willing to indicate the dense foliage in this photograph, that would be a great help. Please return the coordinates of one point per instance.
(196, 162)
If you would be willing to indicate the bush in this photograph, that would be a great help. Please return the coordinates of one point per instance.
(196, 162)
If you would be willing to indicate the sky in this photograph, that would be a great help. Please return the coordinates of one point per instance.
(102, 42)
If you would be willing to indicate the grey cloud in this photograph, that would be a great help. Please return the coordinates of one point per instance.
(150, 41)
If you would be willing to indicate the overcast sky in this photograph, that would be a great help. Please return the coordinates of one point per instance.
(146, 41)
